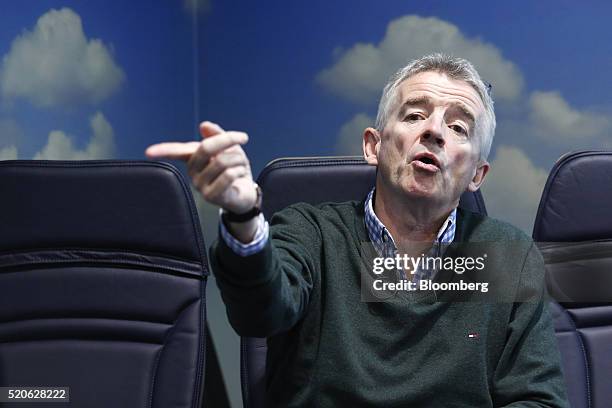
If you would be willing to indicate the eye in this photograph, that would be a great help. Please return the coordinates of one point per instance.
(414, 116)
(459, 129)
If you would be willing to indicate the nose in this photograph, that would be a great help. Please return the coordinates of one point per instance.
(433, 131)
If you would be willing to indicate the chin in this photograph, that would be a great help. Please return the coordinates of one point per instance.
(420, 191)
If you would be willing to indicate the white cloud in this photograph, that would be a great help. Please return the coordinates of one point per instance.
(10, 132)
(197, 6)
(55, 64)
(351, 135)
(554, 120)
(513, 187)
(360, 72)
(10, 136)
(547, 125)
(101, 145)
(8, 153)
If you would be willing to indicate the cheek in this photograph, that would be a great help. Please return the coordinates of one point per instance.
(390, 150)
(464, 161)
(466, 149)
(401, 137)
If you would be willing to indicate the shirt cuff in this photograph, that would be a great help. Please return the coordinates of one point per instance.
(250, 248)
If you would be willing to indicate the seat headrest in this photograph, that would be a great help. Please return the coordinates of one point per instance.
(575, 202)
(320, 179)
(134, 206)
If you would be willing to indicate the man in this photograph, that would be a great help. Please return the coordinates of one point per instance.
(298, 282)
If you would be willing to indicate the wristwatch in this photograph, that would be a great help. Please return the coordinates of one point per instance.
(247, 216)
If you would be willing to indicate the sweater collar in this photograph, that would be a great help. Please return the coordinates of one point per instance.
(381, 237)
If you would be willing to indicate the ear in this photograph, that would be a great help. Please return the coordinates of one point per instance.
(479, 176)
(371, 145)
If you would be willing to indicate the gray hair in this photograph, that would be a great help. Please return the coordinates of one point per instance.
(455, 68)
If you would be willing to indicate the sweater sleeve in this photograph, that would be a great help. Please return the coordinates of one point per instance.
(529, 372)
(268, 292)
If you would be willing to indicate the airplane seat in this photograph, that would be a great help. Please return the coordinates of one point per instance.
(102, 283)
(312, 180)
(573, 229)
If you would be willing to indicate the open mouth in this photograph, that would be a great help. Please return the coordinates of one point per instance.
(427, 161)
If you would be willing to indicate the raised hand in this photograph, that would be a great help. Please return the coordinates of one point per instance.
(217, 165)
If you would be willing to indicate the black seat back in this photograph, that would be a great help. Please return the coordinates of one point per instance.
(102, 283)
(311, 180)
(573, 229)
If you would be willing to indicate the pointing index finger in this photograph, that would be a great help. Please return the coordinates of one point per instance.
(172, 150)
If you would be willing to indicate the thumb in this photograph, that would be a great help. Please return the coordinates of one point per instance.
(208, 129)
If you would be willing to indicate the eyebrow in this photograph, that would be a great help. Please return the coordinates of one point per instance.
(424, 100)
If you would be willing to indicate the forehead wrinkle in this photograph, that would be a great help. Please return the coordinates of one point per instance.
(448, 88)
(424, 100)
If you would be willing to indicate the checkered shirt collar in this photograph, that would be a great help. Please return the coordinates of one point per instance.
(379, 234)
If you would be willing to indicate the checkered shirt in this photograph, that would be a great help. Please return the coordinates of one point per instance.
(257, 244)
(385, 245)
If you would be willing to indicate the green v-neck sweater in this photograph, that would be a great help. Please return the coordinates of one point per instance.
(329, 347)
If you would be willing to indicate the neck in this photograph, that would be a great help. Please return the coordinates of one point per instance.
(409, 220)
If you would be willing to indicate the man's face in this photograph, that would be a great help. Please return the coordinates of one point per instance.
(428, 148)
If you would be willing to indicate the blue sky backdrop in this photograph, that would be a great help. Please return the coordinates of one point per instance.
(104, 79)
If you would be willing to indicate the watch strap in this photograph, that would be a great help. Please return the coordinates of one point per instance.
(229, 216)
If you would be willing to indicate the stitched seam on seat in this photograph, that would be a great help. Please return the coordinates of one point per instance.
(586, 364)
(78, 338)
(86, 318)
(561, 162)
(200, 369)
(281, 163)
(120, 163)
(154, 376)
(158, 357)
(51, 252)
(103, 263)
(594, 326)
(194, 216)
(584, 356)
